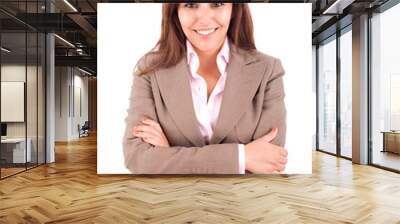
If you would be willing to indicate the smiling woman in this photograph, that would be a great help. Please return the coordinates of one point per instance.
(205, 25)
(204, 100)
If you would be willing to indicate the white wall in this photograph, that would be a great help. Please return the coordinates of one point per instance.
(67, 115)
(61, 103)
(79, 117)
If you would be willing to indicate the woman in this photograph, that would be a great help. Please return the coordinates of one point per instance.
(205, 100)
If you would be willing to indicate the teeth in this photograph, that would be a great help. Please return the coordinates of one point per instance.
(205, 32)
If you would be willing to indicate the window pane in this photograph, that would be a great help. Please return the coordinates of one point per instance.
(386, 88)
(346, 94)
(31, 101)
(14, 153)
(327, 96)
(41, 98)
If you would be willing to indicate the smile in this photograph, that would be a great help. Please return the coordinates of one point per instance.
(206, 32)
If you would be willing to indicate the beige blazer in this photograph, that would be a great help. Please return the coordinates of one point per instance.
(252, 104)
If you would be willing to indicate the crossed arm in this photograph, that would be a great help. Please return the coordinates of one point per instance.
(147, 151)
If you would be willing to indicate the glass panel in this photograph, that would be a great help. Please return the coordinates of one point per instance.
(31, 100)
(386, 89)
(327, 96)
(346, 94)
(22, 88)
(41, 98)
(314, 87)
(13, 90)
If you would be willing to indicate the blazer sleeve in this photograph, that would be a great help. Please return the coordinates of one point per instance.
(273, 112)
(144, 158)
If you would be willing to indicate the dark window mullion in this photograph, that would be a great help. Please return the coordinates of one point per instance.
(317, 95)
(26, 86)
(37, 90)
(338, 98)
(369, 90)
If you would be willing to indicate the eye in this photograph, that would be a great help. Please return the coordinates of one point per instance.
(217, 4)
(190, 5)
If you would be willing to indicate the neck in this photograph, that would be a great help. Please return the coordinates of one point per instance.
(207, 58)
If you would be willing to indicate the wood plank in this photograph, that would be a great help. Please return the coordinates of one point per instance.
(70, 191)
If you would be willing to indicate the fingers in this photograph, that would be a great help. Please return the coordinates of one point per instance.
(283, 160)
(271, 169)
(268, 169)
(151, 132)
(280, 164)
(280, 159)
(151, 140)
(280, 167)
(266, 158)
(279, 151)
(143, 134)
(271, 135)
(283, 152)
(147, 133)
(147, 129)
(153, 124)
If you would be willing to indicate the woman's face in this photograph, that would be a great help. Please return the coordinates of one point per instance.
(205, 24)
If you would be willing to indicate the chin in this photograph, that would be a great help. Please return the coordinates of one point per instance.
(206, 47)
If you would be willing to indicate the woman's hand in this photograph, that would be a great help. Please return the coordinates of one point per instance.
(263, 157)
(151, 132)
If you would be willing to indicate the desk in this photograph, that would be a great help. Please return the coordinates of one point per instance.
(391, 141)
(15, 148)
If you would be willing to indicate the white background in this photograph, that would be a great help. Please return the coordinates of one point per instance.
(127, 31)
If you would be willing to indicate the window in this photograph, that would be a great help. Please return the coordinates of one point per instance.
(327, 96)
(346, 75)
(385, 88)
(22, 77)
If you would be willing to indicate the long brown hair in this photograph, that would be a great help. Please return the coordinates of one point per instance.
(171, 46)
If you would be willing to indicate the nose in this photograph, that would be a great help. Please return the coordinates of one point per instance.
(204, 14)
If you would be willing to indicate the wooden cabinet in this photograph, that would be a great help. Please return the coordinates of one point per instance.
(391, 141)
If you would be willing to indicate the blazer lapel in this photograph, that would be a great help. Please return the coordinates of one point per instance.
(174, 85)
(244, 75)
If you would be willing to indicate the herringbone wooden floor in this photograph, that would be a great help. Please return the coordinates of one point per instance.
(70, 191)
